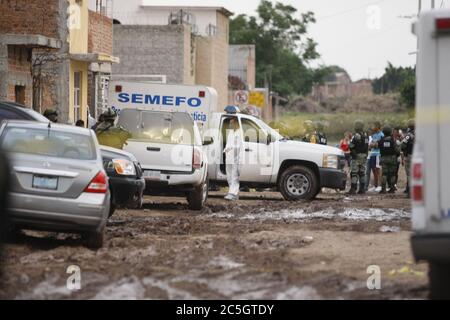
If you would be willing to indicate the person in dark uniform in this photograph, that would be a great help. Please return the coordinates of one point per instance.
(320, 134)
(359, 148)
(108, 134)
(407, 147)
(52, 115)
(389, 151)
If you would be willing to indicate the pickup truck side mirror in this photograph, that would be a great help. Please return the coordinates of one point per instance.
(208, 141)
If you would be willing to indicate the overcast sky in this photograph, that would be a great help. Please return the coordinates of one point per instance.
(359, 35)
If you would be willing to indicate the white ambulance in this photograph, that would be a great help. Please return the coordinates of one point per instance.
(166, 123)
(430, 175)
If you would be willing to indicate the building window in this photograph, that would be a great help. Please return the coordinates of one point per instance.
(19, 92)
(77, 96)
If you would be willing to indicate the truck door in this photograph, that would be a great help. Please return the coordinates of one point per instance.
(257, 155)
(162, 141)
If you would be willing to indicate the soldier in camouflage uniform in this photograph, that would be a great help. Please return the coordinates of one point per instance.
(389, 151)
(320, 134)
(51, 114)
(407, 147)
(359, 148)
(108, 134)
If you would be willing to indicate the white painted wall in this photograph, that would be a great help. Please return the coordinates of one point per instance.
(137, 12)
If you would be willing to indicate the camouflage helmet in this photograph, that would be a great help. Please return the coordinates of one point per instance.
(50, 113)
(359, 125)
(109, 115)
(411, 124)
(387, 130)
(319, 125)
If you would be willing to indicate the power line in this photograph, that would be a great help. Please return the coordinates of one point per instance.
(349, 10)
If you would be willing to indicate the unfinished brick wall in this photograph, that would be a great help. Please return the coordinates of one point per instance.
(100, 33)
(30, 17)
(20, 73)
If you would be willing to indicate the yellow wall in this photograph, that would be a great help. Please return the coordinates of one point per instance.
(78, 40)
(76, 66)
(79, 26)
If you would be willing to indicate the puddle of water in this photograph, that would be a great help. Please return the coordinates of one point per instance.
(47, 289)
(296, 293)
(328, 214)
(124, 289)
(225, 263)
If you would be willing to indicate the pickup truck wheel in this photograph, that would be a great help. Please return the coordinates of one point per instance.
(299, 183)
(95, 240)
(197, 198)
(439, 276)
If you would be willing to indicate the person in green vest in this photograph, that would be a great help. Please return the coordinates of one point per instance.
(108, 133)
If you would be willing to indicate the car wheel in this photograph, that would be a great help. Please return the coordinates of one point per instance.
(439, 277)
(95, 240)
(299, 183)
(197, 198)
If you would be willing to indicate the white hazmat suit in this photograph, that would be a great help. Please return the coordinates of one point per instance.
(233, 150)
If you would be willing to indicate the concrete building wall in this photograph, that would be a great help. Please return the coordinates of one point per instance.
(212, 60)
(153, 50)
(242, 65)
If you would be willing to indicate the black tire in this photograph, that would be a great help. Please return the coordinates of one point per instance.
(439, 276)
(310, 187)
(112, 209)
(197, 198)
(94, 240)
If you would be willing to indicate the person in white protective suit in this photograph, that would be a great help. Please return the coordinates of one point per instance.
(233, 150)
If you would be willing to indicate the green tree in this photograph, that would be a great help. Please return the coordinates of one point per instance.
(408, 93)
(283, 48)
(393, 79)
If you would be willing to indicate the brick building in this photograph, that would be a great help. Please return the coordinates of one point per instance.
(46, 50)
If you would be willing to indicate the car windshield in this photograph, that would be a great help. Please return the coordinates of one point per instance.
(159, 127)
(48, 142)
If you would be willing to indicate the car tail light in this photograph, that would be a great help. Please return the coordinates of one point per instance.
(196, 159)
(99, 184)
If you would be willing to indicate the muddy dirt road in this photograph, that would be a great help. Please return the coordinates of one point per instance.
(252, 249)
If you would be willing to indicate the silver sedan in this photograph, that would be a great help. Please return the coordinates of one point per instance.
(57, 179)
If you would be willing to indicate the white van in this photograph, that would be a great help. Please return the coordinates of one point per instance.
(430, 167)
(166, 140)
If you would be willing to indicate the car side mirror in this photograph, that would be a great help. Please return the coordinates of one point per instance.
(208, 141)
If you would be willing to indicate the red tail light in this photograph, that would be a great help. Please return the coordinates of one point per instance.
(196, 159)
(99, 184)
(417, 185)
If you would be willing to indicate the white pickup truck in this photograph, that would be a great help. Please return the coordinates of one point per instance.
(298, 170)
(430, 172)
